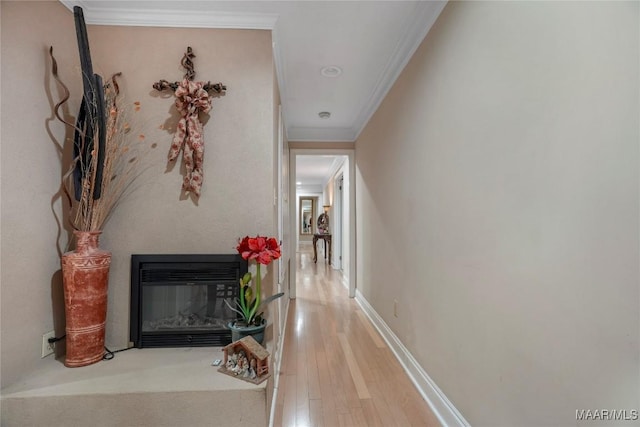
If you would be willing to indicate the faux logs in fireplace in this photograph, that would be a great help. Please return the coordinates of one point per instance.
(179, 300)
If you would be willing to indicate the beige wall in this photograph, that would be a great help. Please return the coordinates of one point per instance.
(498, 195)
(347, 145)
(237, 196)
(30, 175)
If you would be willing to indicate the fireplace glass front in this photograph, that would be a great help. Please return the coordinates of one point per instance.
(179, 300)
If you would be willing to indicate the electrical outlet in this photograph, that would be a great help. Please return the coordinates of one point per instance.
(395, 308)
(47, 348)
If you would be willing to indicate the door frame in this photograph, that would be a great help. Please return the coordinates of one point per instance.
(337, 220)
(350, 153)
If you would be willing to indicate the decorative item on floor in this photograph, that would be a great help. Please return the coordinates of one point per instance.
(191, 99)
(251, 322)
(247, 360)
(85, 275)
(104, 165)
(323, 234)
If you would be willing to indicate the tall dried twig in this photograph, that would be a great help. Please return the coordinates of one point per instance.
(121, 164)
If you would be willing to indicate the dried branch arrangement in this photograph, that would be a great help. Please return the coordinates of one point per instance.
(105, 155)
(120, 163)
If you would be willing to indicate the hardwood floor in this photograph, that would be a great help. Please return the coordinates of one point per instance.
(336, 369)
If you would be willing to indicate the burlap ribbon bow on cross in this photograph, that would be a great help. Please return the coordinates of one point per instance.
(191, 99)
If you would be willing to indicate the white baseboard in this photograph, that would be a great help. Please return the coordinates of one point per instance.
(444, 410)
(277, 363)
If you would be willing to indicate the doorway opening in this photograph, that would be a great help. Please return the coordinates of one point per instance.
(322, 181)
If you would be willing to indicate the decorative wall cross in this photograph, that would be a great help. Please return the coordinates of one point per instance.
(191, 98)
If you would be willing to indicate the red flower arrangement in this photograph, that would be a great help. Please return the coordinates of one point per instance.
(263, 250)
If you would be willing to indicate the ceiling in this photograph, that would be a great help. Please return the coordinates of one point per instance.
(361, 45)
(314, 171)
(370, 42)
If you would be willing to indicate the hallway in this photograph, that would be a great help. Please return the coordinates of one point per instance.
(336, 369)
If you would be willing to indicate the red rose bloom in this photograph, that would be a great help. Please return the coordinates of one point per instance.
(262, 249)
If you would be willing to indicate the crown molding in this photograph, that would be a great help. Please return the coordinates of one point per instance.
(418, 26)
(337, 164)
(173, 18)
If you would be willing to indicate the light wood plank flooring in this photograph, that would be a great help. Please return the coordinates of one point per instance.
(336, 369)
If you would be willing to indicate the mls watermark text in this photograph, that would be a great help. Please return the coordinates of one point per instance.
(606, 414)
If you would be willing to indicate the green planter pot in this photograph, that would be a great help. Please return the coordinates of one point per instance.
(239, 332)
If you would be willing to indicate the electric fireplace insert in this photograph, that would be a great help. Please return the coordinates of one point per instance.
(179, 300)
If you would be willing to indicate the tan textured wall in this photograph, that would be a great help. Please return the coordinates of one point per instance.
(31, 142)
(237, 196)
(498, 194)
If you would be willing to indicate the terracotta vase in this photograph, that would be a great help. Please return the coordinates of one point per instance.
(85, 273)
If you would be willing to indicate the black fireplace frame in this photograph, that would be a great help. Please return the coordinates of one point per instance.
(225, 264)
